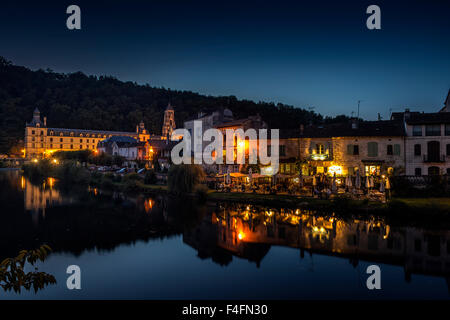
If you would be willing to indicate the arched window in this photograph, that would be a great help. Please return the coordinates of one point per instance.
(433, 171)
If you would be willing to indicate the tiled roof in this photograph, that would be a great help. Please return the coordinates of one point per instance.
(423, 118)
(364, 129)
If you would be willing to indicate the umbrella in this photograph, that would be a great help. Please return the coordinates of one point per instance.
(348, 183)
(250, 175)
(382, 189)
(333, 184)
(228, 176)
(388, 184)
(358, 180)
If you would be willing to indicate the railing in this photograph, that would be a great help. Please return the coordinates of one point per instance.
(320, 157)
(433, 158)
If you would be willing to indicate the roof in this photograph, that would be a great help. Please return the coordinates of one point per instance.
(121, 142)
(422, 118)
(387, 128)
(169, 107)
(66, 131)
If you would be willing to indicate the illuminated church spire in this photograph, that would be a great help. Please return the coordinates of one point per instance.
(169, 121)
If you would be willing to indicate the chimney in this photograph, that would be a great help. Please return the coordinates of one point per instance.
(45, 121)
(407, 113)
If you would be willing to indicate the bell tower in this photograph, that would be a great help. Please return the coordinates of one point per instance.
(169, 122)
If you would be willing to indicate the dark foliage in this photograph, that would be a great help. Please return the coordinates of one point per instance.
(80, 101)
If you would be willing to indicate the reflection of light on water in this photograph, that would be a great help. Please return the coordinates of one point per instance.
(22, 182)
(148, 205)
(51, 182)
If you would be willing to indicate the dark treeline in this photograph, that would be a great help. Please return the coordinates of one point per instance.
(76, 100)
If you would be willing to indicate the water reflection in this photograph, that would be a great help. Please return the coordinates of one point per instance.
(248, 232)
(79, 220)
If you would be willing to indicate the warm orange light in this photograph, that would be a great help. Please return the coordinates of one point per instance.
(35, 160)
(241, 235)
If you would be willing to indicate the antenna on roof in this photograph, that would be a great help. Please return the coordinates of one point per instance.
(359, 102)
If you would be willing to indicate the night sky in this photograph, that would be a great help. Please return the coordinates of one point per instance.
(309, 54)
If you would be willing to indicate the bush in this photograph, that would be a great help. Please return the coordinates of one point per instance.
(150, 177)
(39, 170)
(132, 185)
(131, 177)
(184, 178)
(201, 192)
(71, 172)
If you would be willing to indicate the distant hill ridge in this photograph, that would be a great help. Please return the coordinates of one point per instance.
(76, 100)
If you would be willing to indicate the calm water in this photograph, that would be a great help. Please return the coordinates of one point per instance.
(159, 248)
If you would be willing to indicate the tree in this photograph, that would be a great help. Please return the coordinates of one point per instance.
(13, 276)
(184, 178)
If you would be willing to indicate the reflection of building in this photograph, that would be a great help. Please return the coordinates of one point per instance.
(239, 228)
(37, 198)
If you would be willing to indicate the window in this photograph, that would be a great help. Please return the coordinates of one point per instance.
(282, 150)
(396, 149)
(81, 140)
(447, 129)
(390, 150)
(417, 131)
(433, 171)
(320, 149)
(433, 130)
(417, 149)
(60, 146)
(372, 149)
(353, 149)
(448, 149)
(418, 171)
(71, 146)
(51, 146)
(60, 139)
(51, 139)
(33, 132)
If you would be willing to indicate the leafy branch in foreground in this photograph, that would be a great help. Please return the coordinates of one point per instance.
(13, 276)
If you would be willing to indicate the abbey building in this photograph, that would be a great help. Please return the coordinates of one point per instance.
(41, 141)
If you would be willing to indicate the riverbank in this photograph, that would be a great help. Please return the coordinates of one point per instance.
(68, 175)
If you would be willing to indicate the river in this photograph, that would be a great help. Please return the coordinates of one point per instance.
(135, 247)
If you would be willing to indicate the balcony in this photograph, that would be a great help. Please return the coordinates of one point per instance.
(320, 157)
(433, 158)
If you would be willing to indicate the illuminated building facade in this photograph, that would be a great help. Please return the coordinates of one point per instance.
(427, 140)
(41, 141)
(372, 147)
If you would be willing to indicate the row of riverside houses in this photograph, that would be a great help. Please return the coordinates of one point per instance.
(410, 143)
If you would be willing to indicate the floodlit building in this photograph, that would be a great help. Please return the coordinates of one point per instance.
(427, 140)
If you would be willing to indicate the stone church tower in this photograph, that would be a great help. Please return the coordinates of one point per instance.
(169, 122)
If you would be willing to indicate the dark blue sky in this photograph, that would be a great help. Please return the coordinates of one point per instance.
(312, 53)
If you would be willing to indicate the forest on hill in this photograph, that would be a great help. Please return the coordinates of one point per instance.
(76, 100)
